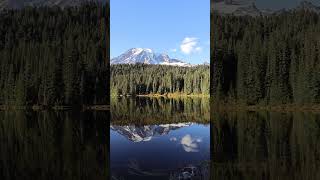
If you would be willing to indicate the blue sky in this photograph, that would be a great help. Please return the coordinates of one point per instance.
(279, 4)
(180, 28)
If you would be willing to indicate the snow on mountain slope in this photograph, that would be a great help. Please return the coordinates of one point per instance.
(145, 133)
(146, 56)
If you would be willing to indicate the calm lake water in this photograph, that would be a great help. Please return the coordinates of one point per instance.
(54, 145)
(157, 138)
(265, 146)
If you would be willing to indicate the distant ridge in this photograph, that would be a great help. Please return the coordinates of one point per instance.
(248, 8)
(17, 4)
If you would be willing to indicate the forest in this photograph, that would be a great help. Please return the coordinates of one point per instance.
(266, 60)
(53, 56)
(142, 79)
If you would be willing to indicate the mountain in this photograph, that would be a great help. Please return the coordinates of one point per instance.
(146, 56)
(236, 7)
(17, 4)
(308, 6)
(145, 133)
(248, 8)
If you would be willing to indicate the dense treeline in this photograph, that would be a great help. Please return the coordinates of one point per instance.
(266, 60)
(53, 56)
(141, 79)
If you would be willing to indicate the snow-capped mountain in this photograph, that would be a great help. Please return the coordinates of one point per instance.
(145, 133)
(16, 4)
(146, 56)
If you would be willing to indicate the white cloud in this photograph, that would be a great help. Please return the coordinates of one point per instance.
(190, 144)
(189, 45)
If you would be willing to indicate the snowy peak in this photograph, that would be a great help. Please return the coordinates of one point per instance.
(146, 56)
(145, 133)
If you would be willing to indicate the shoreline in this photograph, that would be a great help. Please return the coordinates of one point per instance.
(271, 108)
(55, 108)
(169, 95)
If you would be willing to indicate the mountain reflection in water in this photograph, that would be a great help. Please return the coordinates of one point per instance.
(145, 133)
(154, 138)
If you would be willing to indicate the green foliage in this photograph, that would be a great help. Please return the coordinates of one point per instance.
(266, 60)
(53, 56)
(141, 79)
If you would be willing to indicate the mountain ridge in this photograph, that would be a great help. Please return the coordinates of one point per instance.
(17, 4)
(147, 56)
(145, 133)
(248, 8)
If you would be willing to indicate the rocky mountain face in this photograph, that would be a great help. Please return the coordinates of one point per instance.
(145, 133)
(146, 56)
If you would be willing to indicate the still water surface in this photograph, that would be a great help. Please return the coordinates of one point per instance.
(265, 145)
(53, 145)
(155, 138)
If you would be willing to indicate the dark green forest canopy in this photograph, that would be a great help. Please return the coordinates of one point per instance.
(141, 79)
(54, 56)
(266, 60)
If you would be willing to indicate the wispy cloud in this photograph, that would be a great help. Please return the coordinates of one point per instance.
(189, 45)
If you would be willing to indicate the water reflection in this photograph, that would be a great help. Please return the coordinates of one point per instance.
(53, 145)
(266, 145)
(136, 133)
(156, 138)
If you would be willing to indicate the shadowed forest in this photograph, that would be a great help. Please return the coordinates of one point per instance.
(266, 60)
(54, 56)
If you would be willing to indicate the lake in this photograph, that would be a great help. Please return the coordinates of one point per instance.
(265, 145)
(54, 145)
(158, 138)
